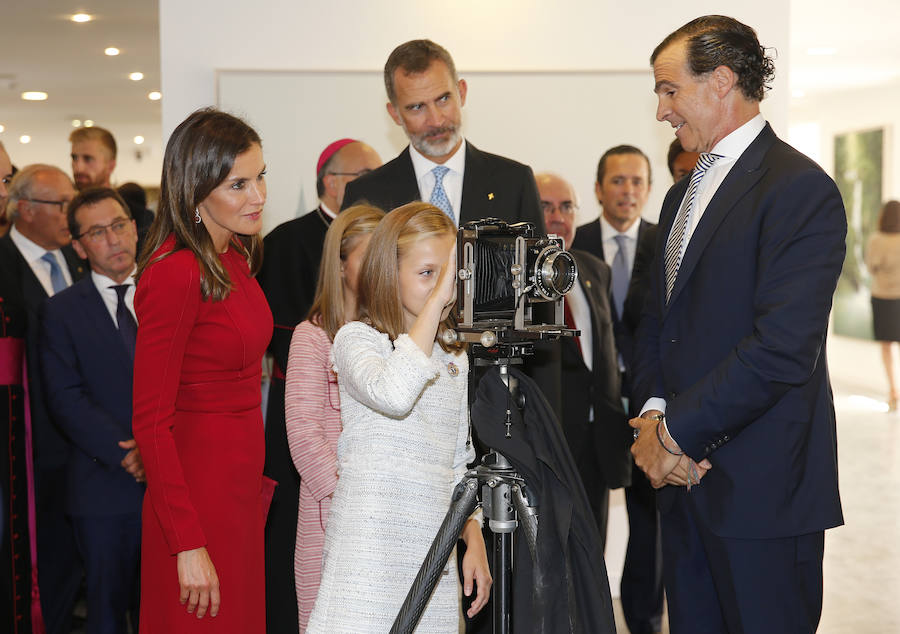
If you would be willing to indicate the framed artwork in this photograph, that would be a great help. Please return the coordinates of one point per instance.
(858, 161)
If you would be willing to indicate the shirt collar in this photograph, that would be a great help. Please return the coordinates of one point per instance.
(609, 232)
(327, 210)
(422, 164)
(733, 145)
(31, 251)
(103, 283)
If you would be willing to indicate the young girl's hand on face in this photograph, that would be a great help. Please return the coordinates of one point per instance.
(445, 290)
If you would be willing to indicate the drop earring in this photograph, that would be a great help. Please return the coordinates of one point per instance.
(197, 215)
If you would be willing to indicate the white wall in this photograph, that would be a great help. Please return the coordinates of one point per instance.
(504, 36)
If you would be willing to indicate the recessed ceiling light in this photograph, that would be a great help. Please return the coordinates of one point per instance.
(136, 76)
(88, 123)
(112, 51)
(34, 95)
(139, 139)
(76, 123)
(82, 17)
(821, 50)
(154, 96)
(2, 127)
(24, 139)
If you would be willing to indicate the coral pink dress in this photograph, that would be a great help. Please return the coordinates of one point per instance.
(313, 418)
(198, 424)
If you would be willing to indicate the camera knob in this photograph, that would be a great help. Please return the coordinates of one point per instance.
(515, 269)
(464, 274)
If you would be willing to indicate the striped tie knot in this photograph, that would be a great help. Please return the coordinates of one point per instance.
(439, 196)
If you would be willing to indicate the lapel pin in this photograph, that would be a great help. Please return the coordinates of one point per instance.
(491, 196)
(587, 283)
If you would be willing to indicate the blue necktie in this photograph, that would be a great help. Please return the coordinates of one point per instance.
(677, 241)
(57, 280)
(438, 196)
(620, 275)
(125, 320)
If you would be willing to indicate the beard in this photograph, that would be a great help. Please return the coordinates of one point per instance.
(427, 144)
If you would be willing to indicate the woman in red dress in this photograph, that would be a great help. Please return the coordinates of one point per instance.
(203, 328)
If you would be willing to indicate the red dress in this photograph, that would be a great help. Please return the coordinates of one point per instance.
(198, 424)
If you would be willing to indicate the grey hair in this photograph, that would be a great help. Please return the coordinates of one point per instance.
(20, 186)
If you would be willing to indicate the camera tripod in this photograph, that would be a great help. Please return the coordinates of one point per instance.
(505, 504)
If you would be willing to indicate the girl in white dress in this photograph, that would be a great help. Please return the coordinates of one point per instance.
(405, 440)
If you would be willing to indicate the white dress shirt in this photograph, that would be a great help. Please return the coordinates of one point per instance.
(326, 210)
(453, 179)
(730, 148)
(111, 297)
(611, 247)
(581, 313)
(33, 253)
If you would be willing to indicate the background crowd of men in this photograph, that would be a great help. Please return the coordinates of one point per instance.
(66, 267)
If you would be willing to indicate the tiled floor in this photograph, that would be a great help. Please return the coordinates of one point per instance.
(862, 558)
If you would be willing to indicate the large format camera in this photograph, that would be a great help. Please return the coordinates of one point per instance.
(511, 283)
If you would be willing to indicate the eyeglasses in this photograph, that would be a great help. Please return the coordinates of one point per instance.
(97, 233)
(62, 203)
(354, 174)
(566, 208)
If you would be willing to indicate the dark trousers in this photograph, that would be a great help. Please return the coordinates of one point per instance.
(281, 523)
(59, 564)
(110, 546)
(642, 578)
(739, 586)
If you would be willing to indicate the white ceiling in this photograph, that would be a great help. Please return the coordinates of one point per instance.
(40, 49)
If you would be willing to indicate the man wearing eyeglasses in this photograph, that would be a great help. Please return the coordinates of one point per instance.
(593, 419)
(88, 334)
(38, 253)
(288, 277)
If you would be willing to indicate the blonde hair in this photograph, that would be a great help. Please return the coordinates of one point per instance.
(379, 280)
(343, 236)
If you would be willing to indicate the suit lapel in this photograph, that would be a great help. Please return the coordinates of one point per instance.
(742, 177)
(477, 200)
(403, 177)
(100, 322)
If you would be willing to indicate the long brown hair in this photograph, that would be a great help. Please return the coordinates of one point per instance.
(199, 155)
(379, 280)
(342, 238)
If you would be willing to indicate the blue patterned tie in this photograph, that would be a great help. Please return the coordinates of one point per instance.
(438, 196)
(676, 243)
(620, 274)
(125, 320)
(57, 280)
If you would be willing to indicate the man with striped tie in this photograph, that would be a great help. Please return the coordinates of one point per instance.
(737, 430)
(88, 333)
(37, 253)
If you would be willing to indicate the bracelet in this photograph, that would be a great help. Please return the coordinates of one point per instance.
(662, 442)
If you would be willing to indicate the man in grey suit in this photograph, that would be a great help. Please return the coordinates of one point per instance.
(593, 419)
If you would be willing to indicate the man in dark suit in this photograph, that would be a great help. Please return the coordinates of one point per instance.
(425, 99)
(731, 349)
(87, 354)
(288, 277)
(593, 419)
(627, 243)
(37, 249)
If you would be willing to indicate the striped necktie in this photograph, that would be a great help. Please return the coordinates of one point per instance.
(676, 243)
(438, 195)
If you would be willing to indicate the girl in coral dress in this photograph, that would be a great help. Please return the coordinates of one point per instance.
(204, 326)
(312, 403)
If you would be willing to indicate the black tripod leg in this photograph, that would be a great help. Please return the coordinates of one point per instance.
(527, 518)
(502, 588)
(461, 507)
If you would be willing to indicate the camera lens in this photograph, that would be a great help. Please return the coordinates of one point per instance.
(555, 273)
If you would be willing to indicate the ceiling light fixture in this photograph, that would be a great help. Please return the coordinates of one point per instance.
(24, 139)
(34, 95)
(112, 51)
(136, 76)
(821, 50)
(154, 96)
(88, 123)
(76, 123)
(81, 17)
(2, 127)
(139, 140)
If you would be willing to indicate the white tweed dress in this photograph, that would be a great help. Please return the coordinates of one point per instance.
(402, 450)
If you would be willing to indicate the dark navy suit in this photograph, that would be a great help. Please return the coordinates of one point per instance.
(88, 375)
(739, 355)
